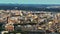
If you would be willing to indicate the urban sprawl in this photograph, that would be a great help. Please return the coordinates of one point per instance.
(21, 20)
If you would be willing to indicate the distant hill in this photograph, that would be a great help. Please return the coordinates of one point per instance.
(33, 7)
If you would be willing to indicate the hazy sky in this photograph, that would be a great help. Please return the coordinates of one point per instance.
(30, 1)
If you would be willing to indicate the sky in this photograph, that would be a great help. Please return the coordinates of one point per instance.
(30, 1)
